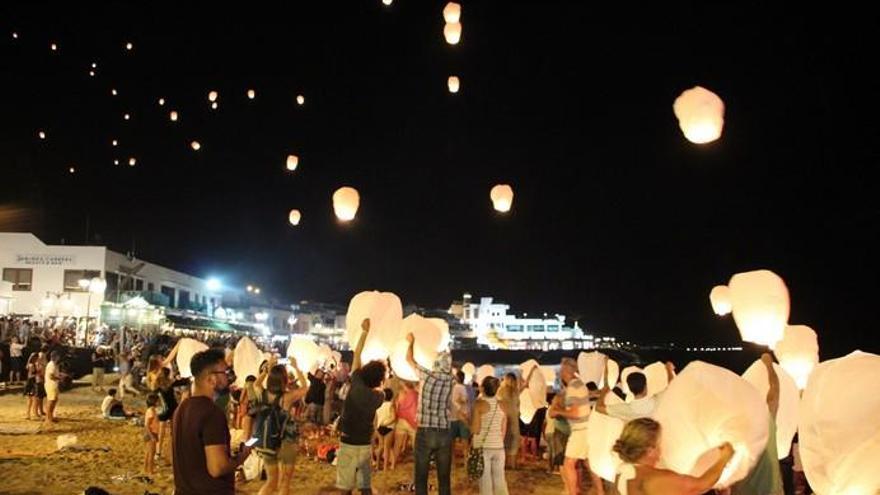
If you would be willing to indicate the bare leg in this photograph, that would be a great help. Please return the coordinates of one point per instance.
(570, 476)
(271, 484)
(286, 477)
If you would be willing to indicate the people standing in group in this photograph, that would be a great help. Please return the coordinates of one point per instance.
(459, 410)
(432, 437)
(274, 403)
(52, 383)
(15, 360)
(316, 397)
(405, 409)
(357, 422)
(151, 432)
(642, 405)
(200, 436)
(489, 425)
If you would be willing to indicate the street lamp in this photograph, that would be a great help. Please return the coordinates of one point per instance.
(93, 286)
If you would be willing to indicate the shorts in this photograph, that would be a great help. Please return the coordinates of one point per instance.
(459, 429)
(16, 364)
(40, 390)
(30, 387)
(577, 446)
(384, 430)
(353, 467)
(151, 437)
(403, 426)
(285, 455)
(51, 392)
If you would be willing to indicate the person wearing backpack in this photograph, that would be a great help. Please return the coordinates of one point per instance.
(275, 427)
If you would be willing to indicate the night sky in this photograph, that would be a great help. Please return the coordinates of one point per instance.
(617, 221)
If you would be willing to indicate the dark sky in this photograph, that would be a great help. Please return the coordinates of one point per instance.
(617, 219)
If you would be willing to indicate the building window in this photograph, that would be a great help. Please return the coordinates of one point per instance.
(139, 284)
(183, 299)
(20, 277)
(552, 328)
(514, 328)
(168, 291)
(536, 328)
(72, 278)
(151, 287)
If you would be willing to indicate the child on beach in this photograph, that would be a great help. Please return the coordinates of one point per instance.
(151, 433)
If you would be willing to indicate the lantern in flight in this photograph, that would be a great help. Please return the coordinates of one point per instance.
(452, 32)
(292, 162)
(294, 217)
(760, 306)
(196, 146)
(453, 84)
(502, 197)
(700, 115)
(212, 96)
(720, 300)
(173, 116)
(345, 203)
(304, 350)
(798, 353)
(452, 12)
(300, 99)
(251, 94)
(386, 318)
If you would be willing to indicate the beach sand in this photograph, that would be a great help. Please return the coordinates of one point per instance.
(31, 464)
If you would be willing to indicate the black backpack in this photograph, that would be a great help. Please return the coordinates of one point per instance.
(273, 426)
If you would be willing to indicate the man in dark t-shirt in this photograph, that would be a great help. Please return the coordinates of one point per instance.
(315, 397)
(358, 419)
(202, 463)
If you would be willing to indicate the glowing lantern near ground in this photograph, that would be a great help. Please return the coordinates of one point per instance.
(452, 32)
(657, 377)
(468, 369)
(700, 114)
(173, 116)
(453, 84)
(251, 94)
(292, 162)
(246, 360)
(701, 409)
(720, 300)
(186, 349)
(536, 384)
(613, 373)
(789, 399)
(452, 12)
(527, 408)
(386, 318)
(798, 353)
(196, 145)
(760, 306)
(304, 350)
(300, 99)
(602, 432)
(345, 203)
(294, 217)
(212, 96)
(502, 197)
(839, 435)
(132, 161)
(484, 371)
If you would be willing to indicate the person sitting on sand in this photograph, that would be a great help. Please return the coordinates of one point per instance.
(639, 448)
(112, 408)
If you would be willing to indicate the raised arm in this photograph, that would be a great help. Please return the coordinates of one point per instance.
(410, 356)
(297, 393)
(356, 361)
(171, 355)
(773, 380)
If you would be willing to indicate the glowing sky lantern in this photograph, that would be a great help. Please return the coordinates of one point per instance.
(591, 366)
(196, 145)
(536, 385)
(129, 46)
(212, 96)
(704, 407)
(839, 434)
(399, 363)
(700, 115)
(452, 12)
(114, 142)
(115, 162)
(798, 353)
(502, 197)
(161, 102)
(132, 161)
(92, 73)
(72, 170)
(186, 349)
(94, 65)
(789, 399)
(53, 47)
(452, 32)
(453, 84)
(114, 92)
(602, 432)
(292, 162)
(484, 371)
(15, 36)
(428, 334)
(246, 360)
(173, 116)
(41, 135)
(251, 94)
(294, 217)
(613, 373)
(386, 318)
(345, 203)
(719, 297)
(126, 117)
(468, 369)
(387, 2)
(527, 408)
(304, 350)
(300, 100)
(214, 106)
(760, 306)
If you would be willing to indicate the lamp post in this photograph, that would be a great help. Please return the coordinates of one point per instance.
(93, 286)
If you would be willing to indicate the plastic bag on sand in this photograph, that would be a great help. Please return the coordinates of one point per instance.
(252, 466)
(65, 441)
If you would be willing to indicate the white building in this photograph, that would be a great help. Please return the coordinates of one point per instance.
(44, 280)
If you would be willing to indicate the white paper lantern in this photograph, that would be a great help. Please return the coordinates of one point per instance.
(536, 385)
(428, 334)
(173, 116)
(387, 2)
(300, 99)
(484, 371)
(251, 94)
(613, 373)
(246, 360)
(304, 350)
(214, 106)
(720, 300)
(132, 162)
(502, 197)
(294, 217)
(527, 408)
(591, 367)
(346, 201)
(657, 378)
(798, 352)
(839, 431)
(453, 84)
(701, 409)
(42, 135)
(325, 355)
(789, 398)
(292, 162)
(399, 364)
(700, 115)
(129, 46)
(468, 369)
(760, 306)
(386, 317)
(452, 32)
(602, 432)
(452, 12)
(186, 349)
(549, 376)
(196, 146)
(212, 96)
(161, 102)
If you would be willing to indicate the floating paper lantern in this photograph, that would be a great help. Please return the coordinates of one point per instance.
(113, 92)
(304, 350)
(246, 360)
(452, 32)
(115, 162)
(72, 169)
(214, 106)
(53, 47)
(468, 369)
(94, 65)
(452, 12)
(602, 432)
(129, 46)
(798, 353)
(502, 197)
(428, 334)
(760, 306)
(453, 84)
(196, 145)
(300, 99)
(126, 117)
(251, 94)
(161, 102)
(400, 365)
(173, 116)
(591, 367)
(292, 162)
(700, 114)
(345, 203)
(386, 318)
(839, 434)
(720, 300)
(132, 161)
(484, 371)
(387, 2)
(186, 349)
(92, 73)
(294, 217)
(212, 96)
(114, 143)
(41, 135)
(15, 36)
(527, 408)
(613, 373)
(789, 399)
(701, 409)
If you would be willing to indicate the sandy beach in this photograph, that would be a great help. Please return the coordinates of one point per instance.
(112, 457)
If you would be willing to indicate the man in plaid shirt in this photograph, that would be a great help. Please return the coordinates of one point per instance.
(433, 436)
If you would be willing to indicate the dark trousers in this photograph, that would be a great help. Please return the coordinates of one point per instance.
(438, 442)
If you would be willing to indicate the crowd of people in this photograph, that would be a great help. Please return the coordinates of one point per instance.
(361, 418)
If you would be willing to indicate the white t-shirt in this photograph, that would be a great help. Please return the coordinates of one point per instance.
(638, 408)
(105, 405)
(458, 406)
(50, 370)
(15, 349)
